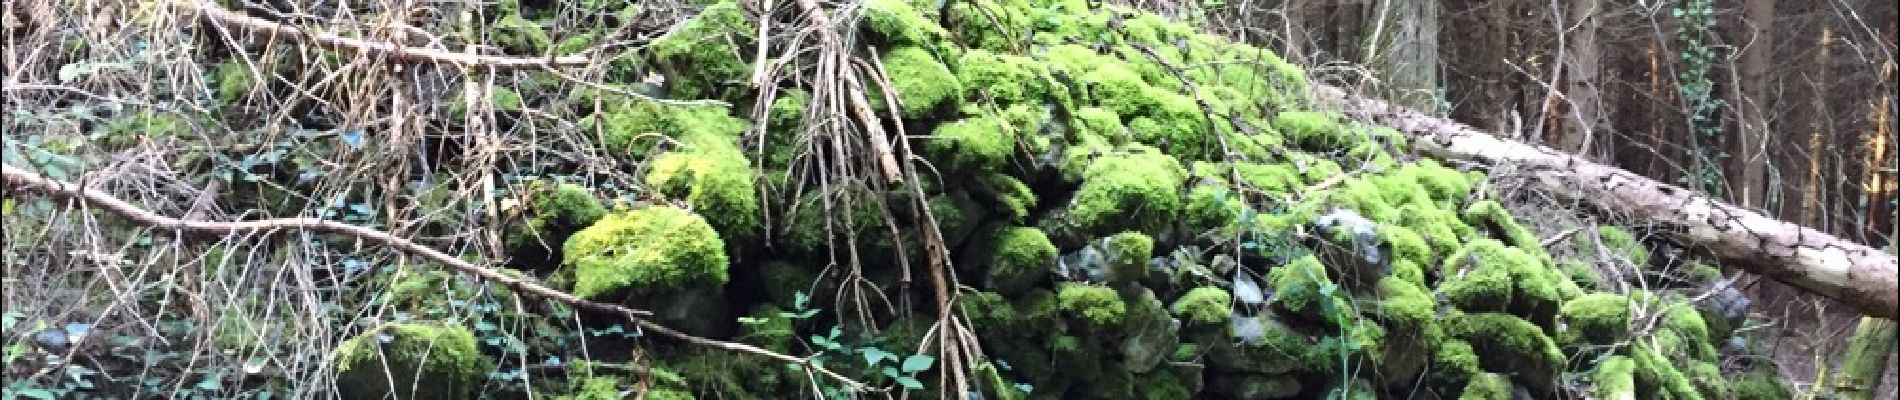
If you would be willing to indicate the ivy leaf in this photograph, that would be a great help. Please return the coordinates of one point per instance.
(873, 355)
(910, 383)
(799, 299)
(918, 362)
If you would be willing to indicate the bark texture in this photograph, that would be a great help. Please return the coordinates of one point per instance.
(1852, 273)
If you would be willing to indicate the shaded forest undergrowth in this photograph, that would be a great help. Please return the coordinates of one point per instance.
(1023, 199)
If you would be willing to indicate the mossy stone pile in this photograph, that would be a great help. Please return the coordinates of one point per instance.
(1132, 204)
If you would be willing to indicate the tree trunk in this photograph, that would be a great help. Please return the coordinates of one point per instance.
(1757, 44)
(1581, 78)
(1852, 273)
(1402, 49)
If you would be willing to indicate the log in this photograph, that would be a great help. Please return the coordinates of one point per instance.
(1854, 274)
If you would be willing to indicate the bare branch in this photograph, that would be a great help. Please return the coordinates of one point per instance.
(219, 15)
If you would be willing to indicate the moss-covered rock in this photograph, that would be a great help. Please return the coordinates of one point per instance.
(1097, 306)
(923, 84)
(1137, 189)
(654, 248)
(1021, 256)
(698, 54)
(429, 361)
(552, 213)
(1504, 342)
(715, 179)
(1204, 306)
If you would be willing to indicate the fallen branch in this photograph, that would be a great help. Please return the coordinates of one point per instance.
(219, 15)
(1852, 273)
(15, 180)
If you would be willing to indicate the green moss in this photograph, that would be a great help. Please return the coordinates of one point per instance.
(1018, 200)
(554, 211)
(1004, 78)
(1614, 378)
(923, 84)
(1404, 303)
(1021, 257)
(518, 35)
(651, 248)
(233, 79)
(1487, 276)
(1489, 213)
(1659, 374)
(1709, 380)
(1616, 241)
(1453, 364)
(1442, 228)
(990, 25)
(1128, 254)
(988, 311)
(1118, 89)
(1204, 306)
(1102, 123)
(981, 143)
(716, 180)
(1505, 342)
(1487, 386)
(1596, 318)
(699, 54)
(1761, 383)
(900, 23)
(1443, 184)
(1099, 306)
(635, 127)
(1136, 189)
(1302, 288)
(435, 361)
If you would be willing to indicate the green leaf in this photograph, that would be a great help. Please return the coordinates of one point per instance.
(799, 299)
(918, 362)
(910, 383)
(34, 393)
(892, 372)
(873, 355)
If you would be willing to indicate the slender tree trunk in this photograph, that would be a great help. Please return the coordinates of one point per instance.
(1580, 84)
(1757, 42)
(1402, 48)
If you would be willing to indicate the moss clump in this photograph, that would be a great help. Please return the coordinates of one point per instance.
(1099, 306)
(983, 143)
(1135, 189)
(1505, 342)
(1003, 78)
(1302, 288)
(1491, 214)
(1656, 373)
(553, 212)
(1487, 386)
(1204, 306)
(922, 83)
(1761, 384)
(429, 361)
(1017, 199)
(1487, 276)
(1596, 318)
(900, 23)
(636, 127)
(518, 35)
(1616, 241)
(699, 55)
(233, 79)
(1405, 304)
(1614, 378)
(1021, 256)
(717, 180)
(648, 249)
(990, 25)
(1128, 254)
